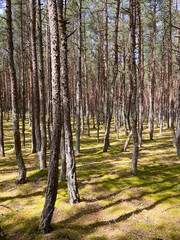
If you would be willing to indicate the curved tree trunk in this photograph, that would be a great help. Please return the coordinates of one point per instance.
(17, 140)
(52, 186)
(70, 159)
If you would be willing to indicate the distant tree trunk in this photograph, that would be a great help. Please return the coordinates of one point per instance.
(178, 124)
(133, 85)
(153, 74)
(123, 85)
(115, 74)
(63, 152)
(42, 89)
(78, 91)
(17, 140)
(31, 107)
(35, 84)
(178, 88)
(86, 78)
(48, 80)
(22, 77)
(1, 122)
(162, 81)
(106, 60)
(170, 77)
(140, 77)
(70, 160)
(52, 185)
(127, 142)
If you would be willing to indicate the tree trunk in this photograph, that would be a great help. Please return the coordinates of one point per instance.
(170, 77)
(22, 77)
(70, 159)
(17, 140)
(140, 77)
(78, 91)
(1, 122)
(42, 89)
(35, 83)
(178, 90)
(115, 73)
(153, 74)
(133, 81)
(52, 186)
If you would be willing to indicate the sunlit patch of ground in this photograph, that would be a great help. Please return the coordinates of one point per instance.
(114, 203)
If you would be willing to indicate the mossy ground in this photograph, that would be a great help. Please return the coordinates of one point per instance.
(114, 203)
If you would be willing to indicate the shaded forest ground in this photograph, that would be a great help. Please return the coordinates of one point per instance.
(114, 203)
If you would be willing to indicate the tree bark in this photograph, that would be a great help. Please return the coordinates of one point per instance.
(70, 159)
(153, 74)
(12, 72)
(78, 91)
(133, 81)
(52, 186)
(41, 89)
(35, 83)
(1, 122)
(140, 77)
(115, 73)
(22, 77)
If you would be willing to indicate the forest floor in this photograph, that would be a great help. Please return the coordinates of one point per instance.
(114, 204)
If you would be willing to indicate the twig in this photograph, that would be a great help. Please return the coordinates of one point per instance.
(174, 206)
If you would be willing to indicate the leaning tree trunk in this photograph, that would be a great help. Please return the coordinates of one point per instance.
(12, 72)
(42, 90)
(70, 160)
(52, 186)
(133, 85)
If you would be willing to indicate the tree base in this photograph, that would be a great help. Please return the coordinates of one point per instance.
(19, 181)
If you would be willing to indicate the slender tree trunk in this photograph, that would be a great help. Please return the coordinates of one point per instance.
(63, 151)
(153, 74)
(178, 89)
(140, 73)
(22, 77)
(70, 159)
(42, 89)
(170, 77)
(1, 122)
(35, 99)
(78, 91)
(133, 85)
(115, 74)
(17, 140)
(48, 80)
(52, 186)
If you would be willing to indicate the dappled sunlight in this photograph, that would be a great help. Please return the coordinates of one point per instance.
(115, 204)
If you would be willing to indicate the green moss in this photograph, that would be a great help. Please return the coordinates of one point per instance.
(115, 204)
